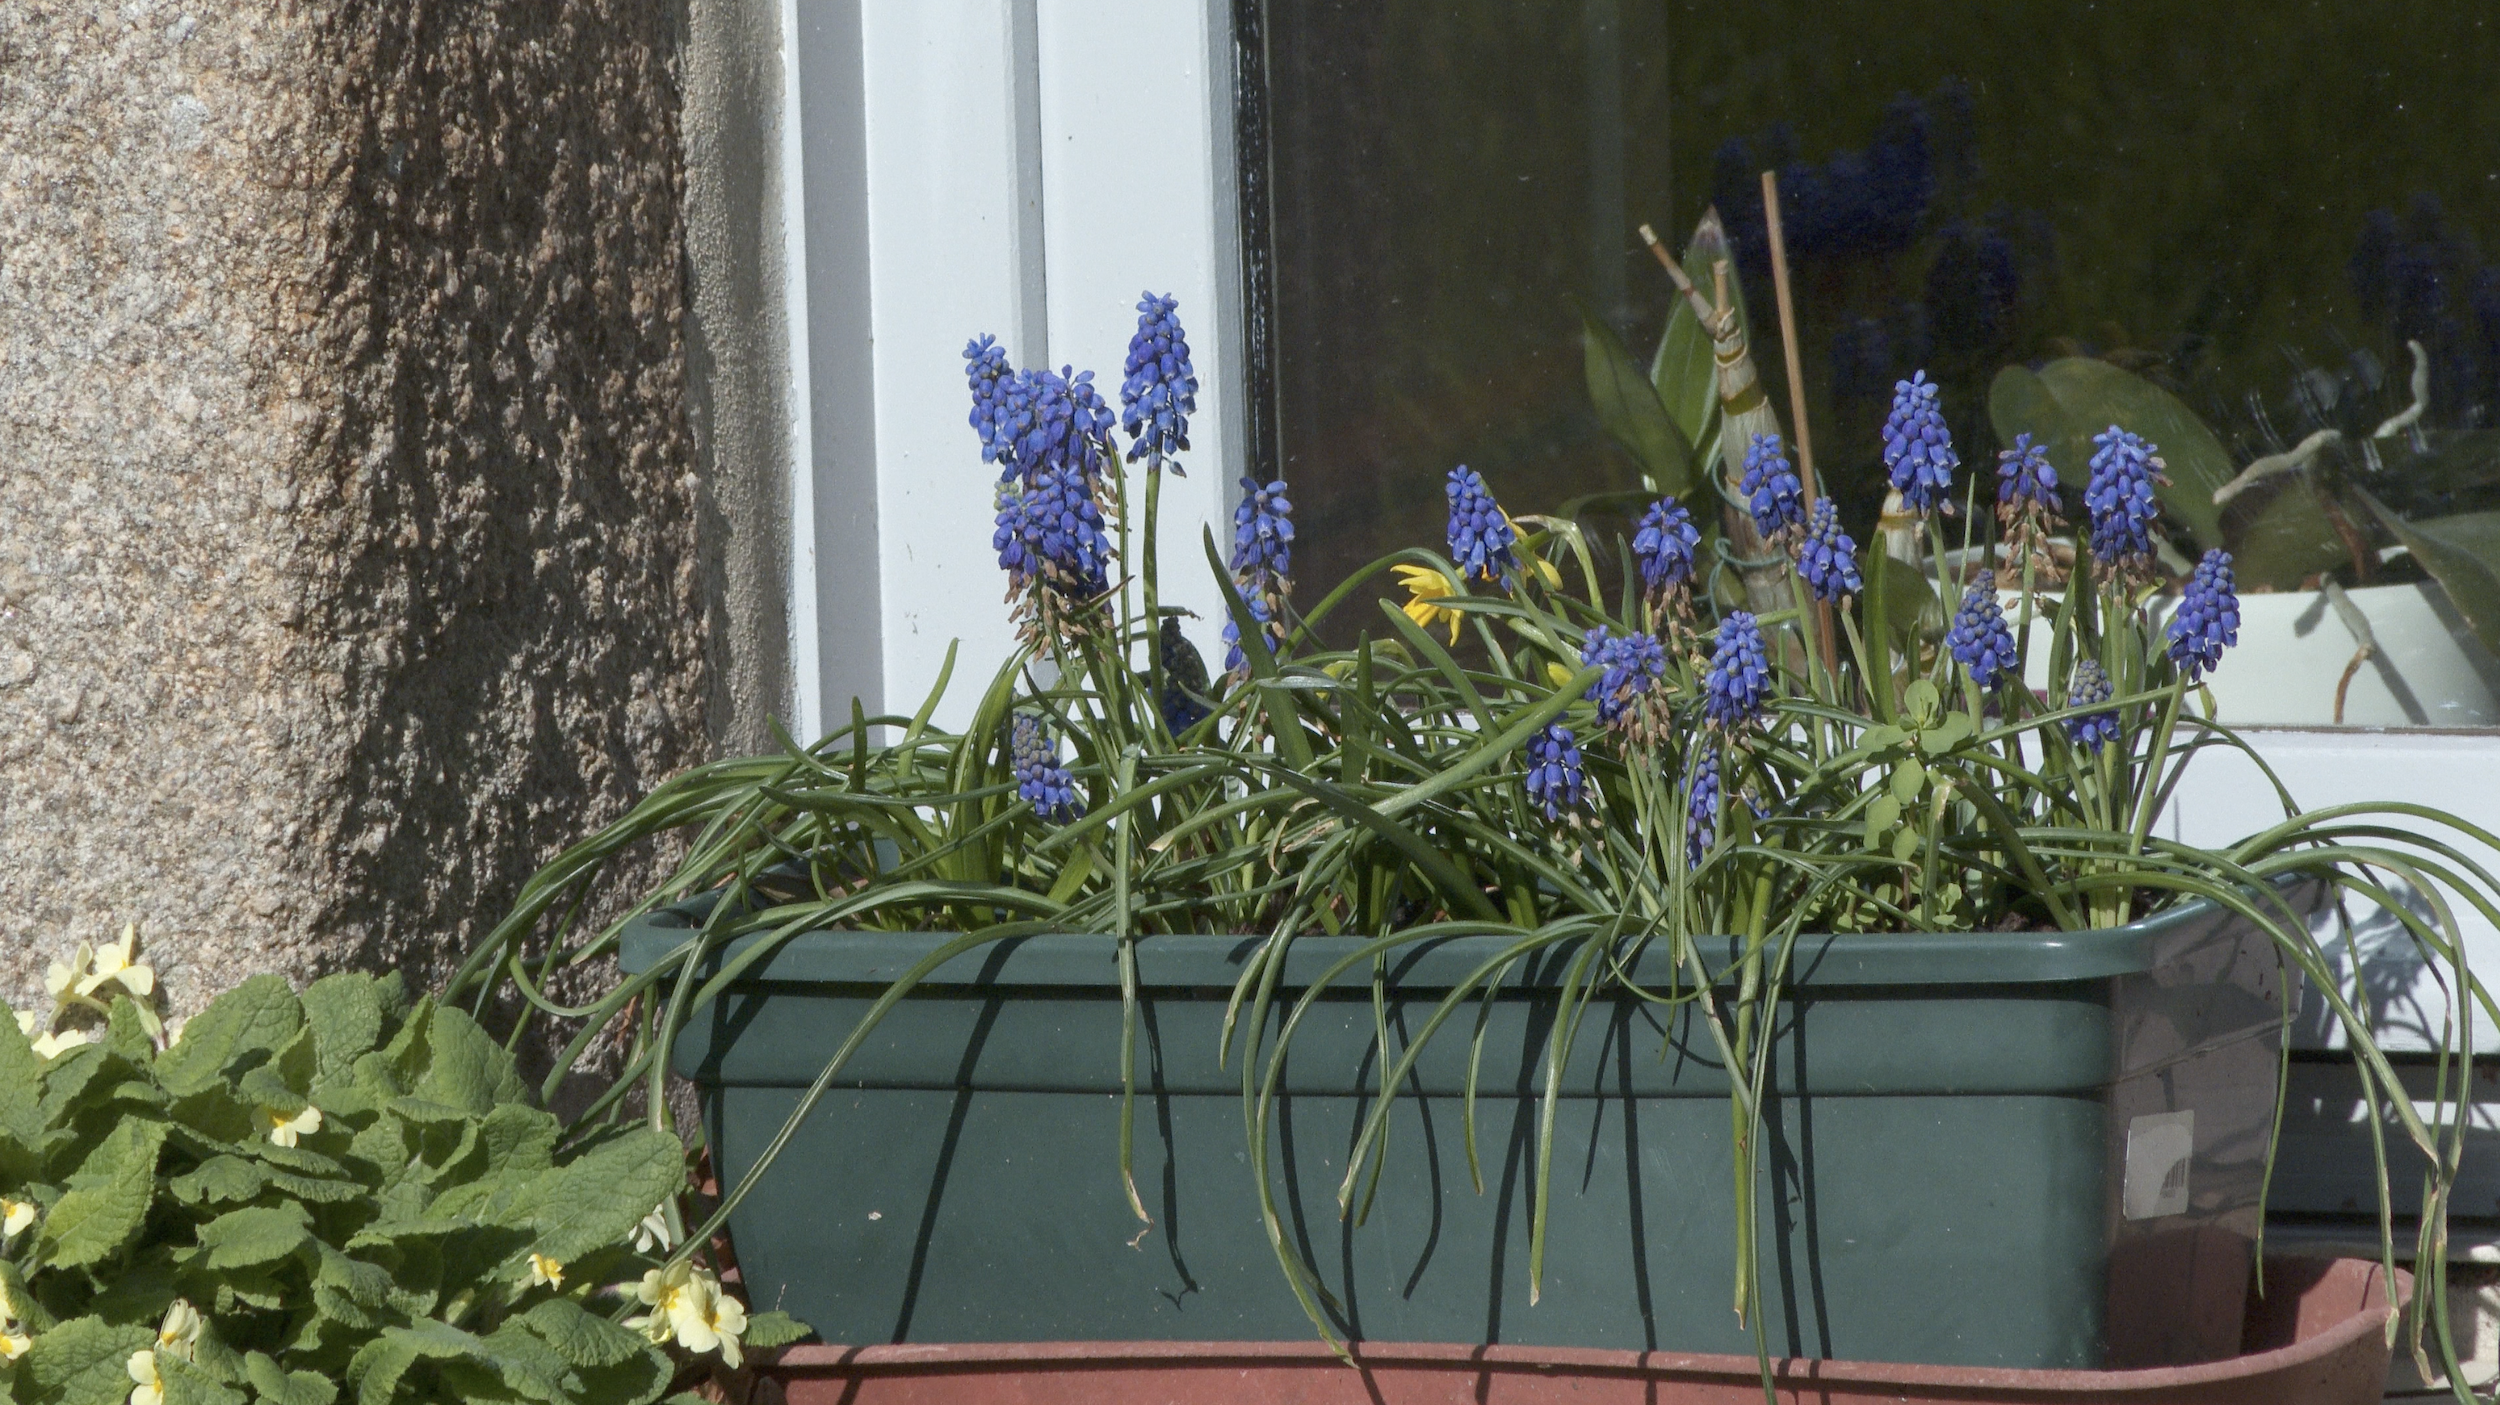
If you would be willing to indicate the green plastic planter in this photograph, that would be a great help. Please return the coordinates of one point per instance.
(2032, 1150)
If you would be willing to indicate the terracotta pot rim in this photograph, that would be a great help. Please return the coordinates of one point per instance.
(969, 1358)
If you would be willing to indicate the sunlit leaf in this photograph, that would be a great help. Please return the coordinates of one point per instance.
(2462, 553)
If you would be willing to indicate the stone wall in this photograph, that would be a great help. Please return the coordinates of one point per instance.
(357, 548)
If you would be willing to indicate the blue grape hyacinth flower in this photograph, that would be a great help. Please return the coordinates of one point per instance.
(1772, 490)
(1739, 676)
(1161, 391)
(995, 405)
(1050, 535)
(2120, 499)
(2091, 730)
(1041, 778)
(2208, 620)
(1234, 660)
(1555, 778)
(1480, 533)
(1829, 560)
(1980, 637)
(1633, 662)
(1701, 817)
(1262, 531)
(2026, 480)
(1918, 449)
(1664, 545)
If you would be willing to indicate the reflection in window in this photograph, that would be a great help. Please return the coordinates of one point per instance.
(2251, 232)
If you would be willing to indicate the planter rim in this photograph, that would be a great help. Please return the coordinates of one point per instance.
(971, 1358)
(1086, 960)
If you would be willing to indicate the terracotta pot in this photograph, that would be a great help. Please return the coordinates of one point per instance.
(2318, 1338)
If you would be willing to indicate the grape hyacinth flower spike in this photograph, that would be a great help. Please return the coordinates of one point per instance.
(1918, 449)
(997, 403)
(1041, 778)
(2208, 619)
(1262, 563)
(1161, 391)
(1739, 677)
(1481, 536)
(1829, 560)
(1980, 637)
(1555, 778)
(1701, 816)
(2027, 499)
(2091, 730)
(1050, 541)
(2120, 499)
(1664, 546)
(1634, 664)
(1772, 490)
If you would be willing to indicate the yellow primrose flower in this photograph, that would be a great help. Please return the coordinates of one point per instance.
(180, 1331)
(688, 1304)
(26, 1022)
(13, 1342)
(544, 1270)
(652, 1233)
(151, 1390)
(52, 1046)
(1424, 585)
(61, 976)
(285, 1127)
(117, 963)
(15, 1217)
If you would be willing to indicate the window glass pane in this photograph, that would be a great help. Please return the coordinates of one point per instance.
(2226, 223)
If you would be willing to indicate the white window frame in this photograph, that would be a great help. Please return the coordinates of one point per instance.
(1025, 167)
(1017, 167)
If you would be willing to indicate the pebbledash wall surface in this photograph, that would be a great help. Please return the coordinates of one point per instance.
(392, 456)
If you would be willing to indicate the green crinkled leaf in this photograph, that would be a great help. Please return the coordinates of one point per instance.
(405, 1057)
(21, 1085)
(766, 1330)
(580, 1337)
(220, 1180)
(137, 1294)
(597, 1198)
(108, 1198)
(345, 1014)
(530, 1366)
(468, 1069)
(256, 1017)
(278, 1386)
(30, 1310)
(216, 1114)
(519, 1137)
(364, 1282)
(285, 1080)
(376, 1368)
(85, 1077)
(256, 1234)
(85, 1361)
(1628, 405)
(635, 1381)
(190, 1384)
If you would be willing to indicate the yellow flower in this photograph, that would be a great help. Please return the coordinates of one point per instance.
(52, 1046)
(544, 1270)
(180, 1331)
(27, 1020)
(118, 964)
(13, 1342)
(1531, 558)
(687, 1304)
(61, 976)
(1424, 585)
(285, 1127)
(151, 1389)
(15, 1217)
(653, 1233)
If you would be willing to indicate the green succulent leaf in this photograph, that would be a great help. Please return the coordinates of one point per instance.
(1629, 407)
(2462, 553)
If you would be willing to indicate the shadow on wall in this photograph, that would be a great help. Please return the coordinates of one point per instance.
(511, 618)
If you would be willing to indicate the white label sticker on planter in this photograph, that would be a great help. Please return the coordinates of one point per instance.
(2159, 1146)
